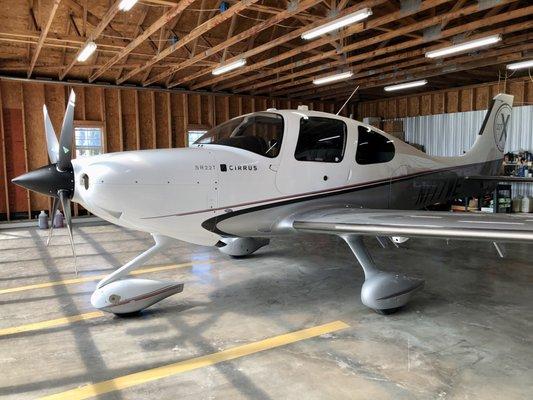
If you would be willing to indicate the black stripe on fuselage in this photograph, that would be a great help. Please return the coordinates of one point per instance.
(211, 223)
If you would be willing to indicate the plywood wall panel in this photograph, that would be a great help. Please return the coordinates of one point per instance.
(438, 103)
(161, 120)
(452, 101)
(129, 119)
(147, 128)
(466, 100)
(475, 97)
(92, 103)
(234, 107)
(517, 90)
(482, 95)
(178, 106)
(413, 106)
(113, 120)
(33, 97)
(425, 105)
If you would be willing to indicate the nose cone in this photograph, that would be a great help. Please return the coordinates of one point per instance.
(47, 180)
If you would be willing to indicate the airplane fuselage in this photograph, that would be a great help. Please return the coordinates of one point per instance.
(210, 191)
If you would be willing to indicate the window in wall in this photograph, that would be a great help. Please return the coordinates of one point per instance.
(193, 136)
(260, 133)
(88, 141)
(321, 139)
(372, 147)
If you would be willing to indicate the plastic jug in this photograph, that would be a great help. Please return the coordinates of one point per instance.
(58, 220)
(43, 220)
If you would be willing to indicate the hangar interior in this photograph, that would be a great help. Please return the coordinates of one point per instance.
(288, 321)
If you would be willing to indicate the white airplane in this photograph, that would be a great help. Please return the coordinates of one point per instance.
(278, 173)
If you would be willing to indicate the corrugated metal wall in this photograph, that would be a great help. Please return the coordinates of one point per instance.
(452, 134)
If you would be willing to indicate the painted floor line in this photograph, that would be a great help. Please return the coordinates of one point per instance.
(154, 374)
(52, 323)
(90, 278)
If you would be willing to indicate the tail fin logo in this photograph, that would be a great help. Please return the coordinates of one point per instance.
(501, 124)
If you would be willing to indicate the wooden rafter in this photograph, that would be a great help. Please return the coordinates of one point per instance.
(163, 20)
(195, 33)
(305, 84)
(388, 18)
(276, 42)
(380, 39)
(42, 38)
(470, 62)
(109, 15)
(305, 4)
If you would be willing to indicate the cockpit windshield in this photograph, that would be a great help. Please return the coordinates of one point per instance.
(260, 133)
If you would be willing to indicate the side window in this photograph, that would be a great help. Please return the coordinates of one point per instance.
(373, 148)
(321, 139)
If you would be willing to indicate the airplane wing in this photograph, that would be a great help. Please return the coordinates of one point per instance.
(446, 225)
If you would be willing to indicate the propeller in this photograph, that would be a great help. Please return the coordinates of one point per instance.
(56, 179)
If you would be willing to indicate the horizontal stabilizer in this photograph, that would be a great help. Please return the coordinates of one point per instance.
(499, 178)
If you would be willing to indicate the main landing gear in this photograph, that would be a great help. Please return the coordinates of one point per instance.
(240, 247)
(120, 296)
(382, 291)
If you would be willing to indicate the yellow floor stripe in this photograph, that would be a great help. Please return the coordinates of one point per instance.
(50, 323)
(92, 278)
(150, 375)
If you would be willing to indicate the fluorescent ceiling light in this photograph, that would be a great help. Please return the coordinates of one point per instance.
(228, 67)
(333, 78)
(521, 65)
(406, 85)
(472, 44)
(337, 24)
(126, 5)
(86, 52)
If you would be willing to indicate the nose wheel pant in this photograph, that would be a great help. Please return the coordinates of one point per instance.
(382, 291)
(118, 295)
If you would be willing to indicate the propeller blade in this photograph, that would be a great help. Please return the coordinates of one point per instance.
(51, 139)
(55, 205)
(65, 204)
(67, 131)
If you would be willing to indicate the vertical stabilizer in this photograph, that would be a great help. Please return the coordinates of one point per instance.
(490, 142)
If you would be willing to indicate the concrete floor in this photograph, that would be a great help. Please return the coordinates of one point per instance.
(467, 335)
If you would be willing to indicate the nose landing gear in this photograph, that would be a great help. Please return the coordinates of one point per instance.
(126, 296)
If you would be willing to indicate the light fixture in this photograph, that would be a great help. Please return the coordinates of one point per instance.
(337, 24)
(472, 44)
(406, 85)
(86, 52)
(333, 78)
(126, 5)
(521, 65)
(228, 67)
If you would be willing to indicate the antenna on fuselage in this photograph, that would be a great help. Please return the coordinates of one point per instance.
(346, 102)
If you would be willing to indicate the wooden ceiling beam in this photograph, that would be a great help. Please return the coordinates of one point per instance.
(513, 44)
(80, 11)
(303, 5)
(371, 24)
(278, 41)
(163, 20)
(387, 36)
(42, 38)
(305, 84)
(467, 62)
(104, 22)
(195, 33)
